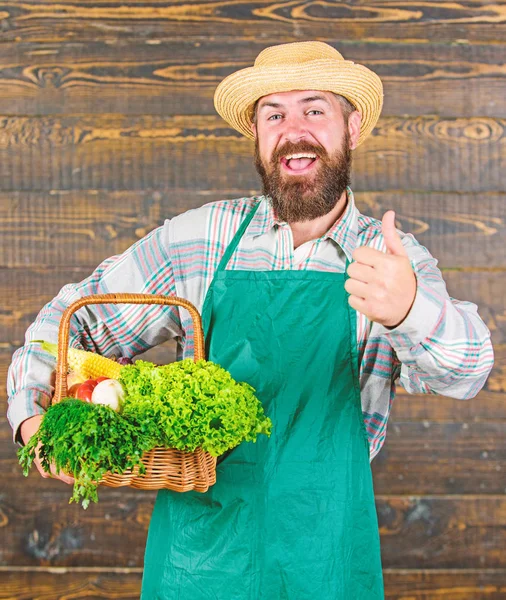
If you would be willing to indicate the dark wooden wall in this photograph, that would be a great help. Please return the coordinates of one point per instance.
(107, 127)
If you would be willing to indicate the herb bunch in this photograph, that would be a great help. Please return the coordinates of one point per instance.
(85, 441)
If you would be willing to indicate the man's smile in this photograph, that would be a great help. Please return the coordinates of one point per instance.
(298, 164)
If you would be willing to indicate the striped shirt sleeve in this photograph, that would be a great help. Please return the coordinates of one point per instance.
(122, 329)
(443, 345)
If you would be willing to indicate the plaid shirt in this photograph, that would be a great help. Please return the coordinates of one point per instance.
(442, 347)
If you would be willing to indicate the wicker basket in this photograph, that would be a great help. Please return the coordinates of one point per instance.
(166, 468)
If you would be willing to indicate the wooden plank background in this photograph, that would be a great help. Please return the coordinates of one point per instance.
(107, 127)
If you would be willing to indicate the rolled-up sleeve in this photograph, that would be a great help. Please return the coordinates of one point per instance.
(443, 345)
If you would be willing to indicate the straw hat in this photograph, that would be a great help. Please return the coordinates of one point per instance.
(299, 66)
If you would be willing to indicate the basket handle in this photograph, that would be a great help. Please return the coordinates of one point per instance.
(64, 331)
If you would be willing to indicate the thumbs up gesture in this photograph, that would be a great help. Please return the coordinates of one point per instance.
(382, 286)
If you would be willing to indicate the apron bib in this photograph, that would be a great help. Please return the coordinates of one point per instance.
(292, 516)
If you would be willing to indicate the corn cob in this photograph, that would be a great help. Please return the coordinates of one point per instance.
(88, 365)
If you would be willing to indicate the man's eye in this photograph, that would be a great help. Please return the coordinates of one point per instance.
(272, 117)
(316, 111)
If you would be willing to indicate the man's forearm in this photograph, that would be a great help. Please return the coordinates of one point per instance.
(444, 347)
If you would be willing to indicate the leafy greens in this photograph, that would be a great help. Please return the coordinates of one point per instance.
(188, 405)
(85, 441)
(183, 405)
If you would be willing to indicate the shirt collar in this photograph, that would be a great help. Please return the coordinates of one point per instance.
(344, 232)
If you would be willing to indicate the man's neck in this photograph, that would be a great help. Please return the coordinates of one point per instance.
(312, 230)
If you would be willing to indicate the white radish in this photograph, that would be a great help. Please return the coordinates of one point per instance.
(109, 392)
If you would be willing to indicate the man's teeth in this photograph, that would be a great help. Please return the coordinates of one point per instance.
(300, 155)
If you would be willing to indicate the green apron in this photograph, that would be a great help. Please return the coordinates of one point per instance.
(291, 516)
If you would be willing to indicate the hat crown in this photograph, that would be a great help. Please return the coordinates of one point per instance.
(296, 53)
(310, 65)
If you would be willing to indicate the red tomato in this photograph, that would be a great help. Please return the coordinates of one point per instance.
(72, 391)
(85, 390)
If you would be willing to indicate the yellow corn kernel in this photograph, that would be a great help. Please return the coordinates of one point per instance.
(86, 364)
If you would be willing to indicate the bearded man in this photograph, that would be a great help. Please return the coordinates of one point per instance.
(321, 309)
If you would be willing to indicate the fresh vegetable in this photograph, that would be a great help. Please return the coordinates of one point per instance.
(73, 378)
(110, 393)
(85, 441)
(183, 405)
(86, 389)
(188, 405)
(88, 365)
(72, 391)
(124, 360)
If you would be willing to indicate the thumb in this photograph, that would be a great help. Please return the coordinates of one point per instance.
(392, 238)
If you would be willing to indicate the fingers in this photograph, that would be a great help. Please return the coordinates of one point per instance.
(359, 304)
(362, 272)
(41, 470)
(356, 288)
(62, 477)
(368, 256)
(53, 474)
(28, 428)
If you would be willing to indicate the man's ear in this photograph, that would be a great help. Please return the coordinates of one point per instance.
(354, 122)
(254, 129)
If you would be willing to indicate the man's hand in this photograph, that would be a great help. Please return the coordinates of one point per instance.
(29, 428)
(382, 286)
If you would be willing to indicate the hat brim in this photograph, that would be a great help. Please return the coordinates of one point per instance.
(236, 95)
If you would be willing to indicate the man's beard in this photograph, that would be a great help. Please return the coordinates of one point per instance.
(306, 197)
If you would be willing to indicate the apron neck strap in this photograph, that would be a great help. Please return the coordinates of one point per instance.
(237, 238)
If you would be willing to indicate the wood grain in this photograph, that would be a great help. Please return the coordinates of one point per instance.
(442, 458)
(28, 292)
(80, 228)
(442, 532)
(107, 127)
(457, 584)
(180, 77)
(51, 532)
(442, 22)
(461, 230)
(400, 584)
(70, 584)
(202, 153)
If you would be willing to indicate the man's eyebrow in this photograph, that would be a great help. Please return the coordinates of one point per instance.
(313, 99)
(306, 100)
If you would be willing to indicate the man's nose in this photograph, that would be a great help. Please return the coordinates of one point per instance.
(295, 129)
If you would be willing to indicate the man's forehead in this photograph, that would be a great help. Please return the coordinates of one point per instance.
(280, 98)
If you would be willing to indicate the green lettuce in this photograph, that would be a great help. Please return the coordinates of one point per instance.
(188, 405)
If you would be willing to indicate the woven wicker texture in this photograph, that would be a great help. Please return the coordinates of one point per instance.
(299, 66)
(166, 468)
